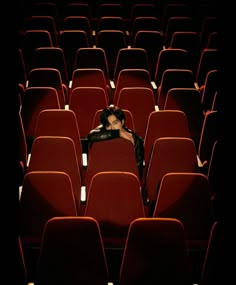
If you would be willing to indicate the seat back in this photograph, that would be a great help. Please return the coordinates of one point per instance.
(110, 22)
(146, 23)
(48, 77)
(187, 100)
(152, 42)
(56, 153)
(111, 48)
(175, 24)
(170, 58)
(84, 102)
(174, 78)
(39, 202)
(114, 200)
(169, 154)
(186, 197)
(191, 42)
(51, 57)
(92, 58)
(155, 253)
(102, 157)
(130, 58)
(42, 22)
(32, 39)
(70, 41)
(77, 22)
(131, 78)
(164, 123)
(34, 101)
(89, 77)
(72, 252)
(60, 122)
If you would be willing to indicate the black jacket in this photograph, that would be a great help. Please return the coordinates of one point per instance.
(100, 133)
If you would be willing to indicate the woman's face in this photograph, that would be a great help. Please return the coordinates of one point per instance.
(114, 123)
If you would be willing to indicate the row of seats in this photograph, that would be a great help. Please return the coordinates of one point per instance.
(128, 72)
(162, 123)
(159, 243)
(127, 10)
(151, 41)
(148, 23)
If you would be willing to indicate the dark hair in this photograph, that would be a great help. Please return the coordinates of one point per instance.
(111, 110)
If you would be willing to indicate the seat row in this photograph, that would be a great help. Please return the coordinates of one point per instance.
(151, 41)
(159, 245)
(126, 10)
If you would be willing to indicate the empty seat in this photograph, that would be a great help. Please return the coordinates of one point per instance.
(111, 47)
(145, 23)
(92, 58)
(32, 39)
(209, 60)
(70, 41)
(56, 153)
(169, 59)
(110, 22)
(60, 122)
(34, 101)
(52, 57)
(114, 200)
(173, 78)
(169, 154)
(186, 197)
(39, 202)
(84, 102)
(164, 123)
(49, 77)
(42, 22)
(78, 23)
(129, 77)
(89, 77)
(191, 42)
(130, 58)
(155, 252)
(170, 10)
(152, 42)
(178, 24)
(72, 252)
(208, 25)
(187, 100)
